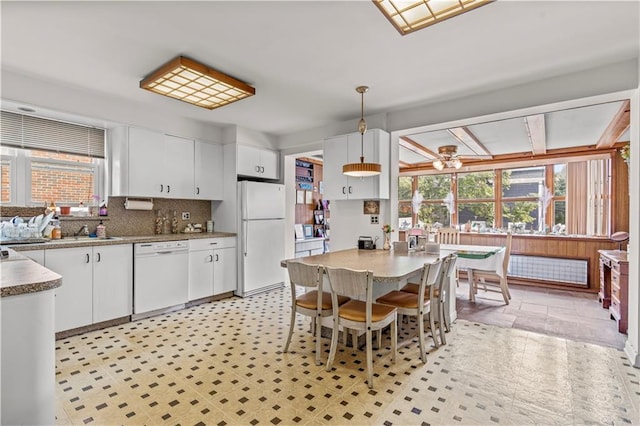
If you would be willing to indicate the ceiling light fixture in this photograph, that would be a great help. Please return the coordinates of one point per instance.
(190, 81)
(408, 16)
(362, 169)
(449, 154)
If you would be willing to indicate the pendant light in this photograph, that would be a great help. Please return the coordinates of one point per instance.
(361, 169)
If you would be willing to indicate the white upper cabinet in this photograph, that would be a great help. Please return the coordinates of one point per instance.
(258, 162)
(178, 167)
(146, 163)
(208, 171)
(344, 149)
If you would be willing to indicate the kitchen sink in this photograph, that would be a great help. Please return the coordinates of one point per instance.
(82, 239)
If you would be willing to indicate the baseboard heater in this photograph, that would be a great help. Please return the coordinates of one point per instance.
(552, 269)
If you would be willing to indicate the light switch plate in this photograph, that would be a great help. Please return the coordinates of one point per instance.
(374, 220)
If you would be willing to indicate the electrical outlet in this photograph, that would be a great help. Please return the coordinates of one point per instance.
(374, 220)
(186, 215)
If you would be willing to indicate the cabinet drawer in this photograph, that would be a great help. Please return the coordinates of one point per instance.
(211, 243)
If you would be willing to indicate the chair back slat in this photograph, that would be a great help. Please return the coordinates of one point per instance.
(350, 282)
(304, 275)
(448, 236)
(430, 274)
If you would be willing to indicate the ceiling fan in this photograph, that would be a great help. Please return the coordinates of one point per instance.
(449, 157)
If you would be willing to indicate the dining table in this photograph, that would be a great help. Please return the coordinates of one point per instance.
(391, 269)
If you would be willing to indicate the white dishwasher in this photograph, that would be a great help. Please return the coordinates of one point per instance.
(160, 277)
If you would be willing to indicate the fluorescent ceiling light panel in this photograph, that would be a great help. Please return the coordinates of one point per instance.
(190, 81)
(412, 15)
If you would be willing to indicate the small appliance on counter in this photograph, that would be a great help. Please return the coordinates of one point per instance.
(366, 243)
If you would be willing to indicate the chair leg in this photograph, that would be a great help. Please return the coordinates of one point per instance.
(447, 317)
(441, 323)
(423, 352)
(291, 325)
(318, 330)
(505, 291)
(432, 326)
(472, 285)
(394, 341)
(354, 339)
(379, 339)
(369, 360)
(334, 344)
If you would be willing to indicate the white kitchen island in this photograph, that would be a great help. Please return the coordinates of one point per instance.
(28, 342)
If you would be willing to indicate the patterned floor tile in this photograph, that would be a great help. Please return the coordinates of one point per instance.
(221, 363)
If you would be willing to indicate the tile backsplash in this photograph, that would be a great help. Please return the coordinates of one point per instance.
(122, 222)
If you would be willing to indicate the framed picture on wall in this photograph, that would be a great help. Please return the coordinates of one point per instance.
(299, 231)
(299, 196)
(308, 231)
(371, 207)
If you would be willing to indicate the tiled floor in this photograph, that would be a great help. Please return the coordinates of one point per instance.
(222, 363)
(573, 315)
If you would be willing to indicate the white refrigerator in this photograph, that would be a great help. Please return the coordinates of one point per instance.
(261, 237)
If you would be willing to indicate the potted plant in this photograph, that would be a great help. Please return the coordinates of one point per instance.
(625, 153)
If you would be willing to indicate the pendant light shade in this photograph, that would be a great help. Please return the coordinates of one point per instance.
(362, 169)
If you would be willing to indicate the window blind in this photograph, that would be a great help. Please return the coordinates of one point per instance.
(28, 132)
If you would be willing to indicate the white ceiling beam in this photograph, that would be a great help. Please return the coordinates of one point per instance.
(536, 130)
(618, 125)
(468, 139)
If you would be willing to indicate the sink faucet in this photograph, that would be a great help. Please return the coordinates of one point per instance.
(84, 230)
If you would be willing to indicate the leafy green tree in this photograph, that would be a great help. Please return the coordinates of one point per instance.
(404, 188)
(519, 211)
(479, 185)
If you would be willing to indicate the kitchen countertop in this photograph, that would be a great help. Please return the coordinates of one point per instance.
(84, 241)
(21, 275)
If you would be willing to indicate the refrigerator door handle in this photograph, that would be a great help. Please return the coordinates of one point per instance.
(245, 232)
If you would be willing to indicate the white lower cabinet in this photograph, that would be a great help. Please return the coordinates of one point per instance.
(97, 284)
(212, 267)
(35, 255)
(112, 282)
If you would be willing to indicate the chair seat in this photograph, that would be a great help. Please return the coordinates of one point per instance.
(413, 289)
(309, 300)
(400, 299)
(355, 310)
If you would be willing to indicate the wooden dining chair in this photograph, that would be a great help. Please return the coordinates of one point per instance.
(448, 236)
(418, 304)
(490, 280)
(359, 313)
(442, 295)
(314, 303)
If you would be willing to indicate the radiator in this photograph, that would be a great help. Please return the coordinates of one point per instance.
(567, 271)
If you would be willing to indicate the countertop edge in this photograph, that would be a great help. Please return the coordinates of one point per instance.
(21, 275)
(120, 240)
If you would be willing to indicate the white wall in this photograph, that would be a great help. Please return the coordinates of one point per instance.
(348, 222)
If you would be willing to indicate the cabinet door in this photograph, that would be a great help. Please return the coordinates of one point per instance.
(178, 167)
(112, 282)
(146, 163)
(200, 274)
(35, 255)
(269, 164)
(248, 163)
(75, 297)
(362, 188)
(208, 171)
(225, 273)
(335, 156)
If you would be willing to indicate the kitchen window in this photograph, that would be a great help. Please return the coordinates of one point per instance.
(47, 160)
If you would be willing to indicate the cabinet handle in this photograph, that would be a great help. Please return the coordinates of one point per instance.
(344, 190)
(257, 169)
(161, 188)
(197, 190)
(217, 258)
(213, 244)
(261, 169)
(168, 189)
(210, 258)
(97, 257)
(88, 258)
(349, 189)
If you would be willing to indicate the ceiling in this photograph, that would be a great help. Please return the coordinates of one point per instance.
(305, 58)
